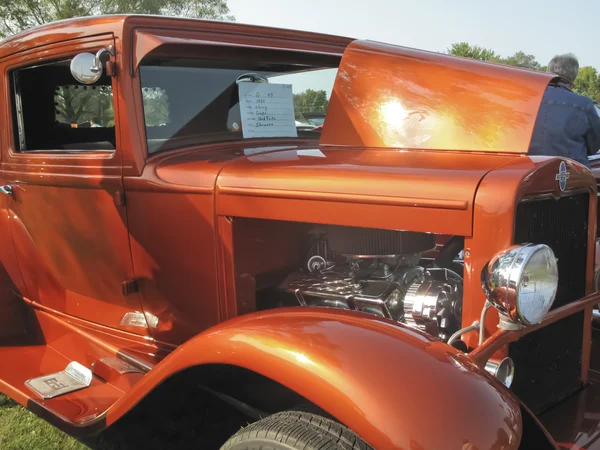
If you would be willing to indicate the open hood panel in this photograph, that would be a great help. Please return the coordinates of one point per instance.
(388, 96)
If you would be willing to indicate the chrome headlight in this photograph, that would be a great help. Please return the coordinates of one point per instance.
(521, 282)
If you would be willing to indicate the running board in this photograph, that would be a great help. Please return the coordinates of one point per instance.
(73, 378)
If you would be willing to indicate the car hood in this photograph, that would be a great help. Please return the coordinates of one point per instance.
(389, 96)
(417, 190)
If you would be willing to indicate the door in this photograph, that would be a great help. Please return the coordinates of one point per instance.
(63, 163)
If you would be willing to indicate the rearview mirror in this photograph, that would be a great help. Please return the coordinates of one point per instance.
(88, 68)
(81, 68)
(252, 78)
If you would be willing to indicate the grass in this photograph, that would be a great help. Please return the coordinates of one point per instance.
(160, 422)
(22, 430)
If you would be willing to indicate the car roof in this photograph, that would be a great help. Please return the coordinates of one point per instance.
(121, 25)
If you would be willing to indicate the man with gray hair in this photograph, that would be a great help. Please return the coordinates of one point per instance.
(567, 123)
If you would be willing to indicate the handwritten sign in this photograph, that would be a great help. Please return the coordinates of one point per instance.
(267, 110)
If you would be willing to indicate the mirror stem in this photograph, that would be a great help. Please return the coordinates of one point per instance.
(487, 305)
(97, 67)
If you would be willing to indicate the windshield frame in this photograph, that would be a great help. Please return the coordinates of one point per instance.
(206, 60)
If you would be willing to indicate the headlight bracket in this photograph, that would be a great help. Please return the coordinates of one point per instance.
(506, 323)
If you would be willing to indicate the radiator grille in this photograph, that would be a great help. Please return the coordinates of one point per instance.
(548, 361)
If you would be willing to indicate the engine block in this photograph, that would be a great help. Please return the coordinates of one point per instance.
(426, 299)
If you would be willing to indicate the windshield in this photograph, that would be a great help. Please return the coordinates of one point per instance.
(188, 102)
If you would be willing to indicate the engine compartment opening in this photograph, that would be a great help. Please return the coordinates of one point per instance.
(399, 275)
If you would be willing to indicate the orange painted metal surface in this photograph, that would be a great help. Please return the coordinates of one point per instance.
(338, 363)
(389, 96)
(191, 234)
(178, 282)
(60, 33)
(176, 195)
(497, 197)
(70, 237)
(58, 340)
(204, 38)
(503, 337)
(418, 191)
(171, 43)
(11, 282)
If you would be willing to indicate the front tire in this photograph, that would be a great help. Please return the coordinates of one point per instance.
(295, 430)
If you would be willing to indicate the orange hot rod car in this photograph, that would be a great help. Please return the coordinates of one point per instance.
(166, 215)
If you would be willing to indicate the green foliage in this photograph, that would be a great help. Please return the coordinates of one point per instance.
(466, 50)
(521, 59)
(588, 83)
(18, 15)
(310, 101)
(156, 106)
(78, 104)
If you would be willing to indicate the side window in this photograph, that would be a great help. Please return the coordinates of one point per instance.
(156, 106)
(85, 106)
(53, 113)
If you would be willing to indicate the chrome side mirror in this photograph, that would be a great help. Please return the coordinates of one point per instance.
(87, 68)
(521, 282)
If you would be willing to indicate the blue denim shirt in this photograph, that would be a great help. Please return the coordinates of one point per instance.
(567, 125)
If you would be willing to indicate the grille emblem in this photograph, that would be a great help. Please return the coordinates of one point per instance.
(562, 176)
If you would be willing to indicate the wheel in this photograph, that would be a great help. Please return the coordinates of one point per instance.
(295, 430)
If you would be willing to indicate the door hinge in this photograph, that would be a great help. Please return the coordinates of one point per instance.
(110, 68)
(130, 287)
(120, 198)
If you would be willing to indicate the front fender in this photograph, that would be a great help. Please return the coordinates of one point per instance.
(395, 387)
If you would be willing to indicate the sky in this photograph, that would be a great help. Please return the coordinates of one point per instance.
(541, 28)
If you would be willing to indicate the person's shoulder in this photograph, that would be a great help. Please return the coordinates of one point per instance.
(559, 91)
(581, 99)
(559, 94)
(576, 99)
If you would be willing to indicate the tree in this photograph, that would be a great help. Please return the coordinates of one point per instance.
(466, 50)
(156, 106)
(588, 83)
(310, 101)
(18, 15)
(521, 59)
(77, 104)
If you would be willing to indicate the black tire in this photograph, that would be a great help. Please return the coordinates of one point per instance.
(295, 430)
